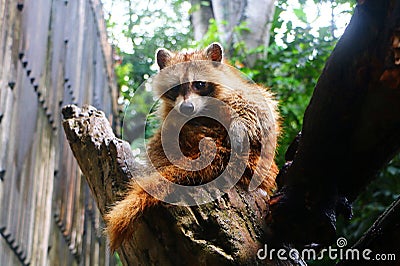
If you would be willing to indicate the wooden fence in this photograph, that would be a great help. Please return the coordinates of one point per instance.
(52, 53)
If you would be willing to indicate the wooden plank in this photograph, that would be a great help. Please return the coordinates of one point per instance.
(51, 52)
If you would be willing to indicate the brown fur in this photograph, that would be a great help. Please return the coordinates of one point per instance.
(251, 104)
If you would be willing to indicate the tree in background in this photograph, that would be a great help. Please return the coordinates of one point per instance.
(238, 22)
(296, 55)
(146, 26)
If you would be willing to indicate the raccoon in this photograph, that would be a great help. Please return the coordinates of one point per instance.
(244, 125)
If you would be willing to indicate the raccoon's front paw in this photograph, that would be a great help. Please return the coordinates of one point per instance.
(238, 137)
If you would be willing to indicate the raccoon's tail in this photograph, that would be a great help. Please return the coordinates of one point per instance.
(120, 221)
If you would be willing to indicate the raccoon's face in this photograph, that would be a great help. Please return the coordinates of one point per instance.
(191, 94)
(189, 98)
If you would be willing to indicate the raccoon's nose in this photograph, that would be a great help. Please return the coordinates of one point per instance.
(186, 108)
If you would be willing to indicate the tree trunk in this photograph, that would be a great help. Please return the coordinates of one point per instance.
(256, 15)
(258, 18)
(200, 18)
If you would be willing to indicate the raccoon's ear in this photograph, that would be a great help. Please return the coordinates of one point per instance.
(163, 56)
(215, 52)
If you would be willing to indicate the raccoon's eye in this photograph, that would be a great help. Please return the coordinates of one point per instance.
(172, 93)
(200, 85)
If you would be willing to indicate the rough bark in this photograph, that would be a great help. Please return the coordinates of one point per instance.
(351, 128)
(227, 231)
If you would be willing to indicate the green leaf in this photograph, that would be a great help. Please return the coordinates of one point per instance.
(300, 14)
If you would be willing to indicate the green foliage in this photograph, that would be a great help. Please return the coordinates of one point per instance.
(291, 69)
(300, 14)
(197, 7)
(211, 36)
(118, 260)
(137, 66)
(292, 72)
